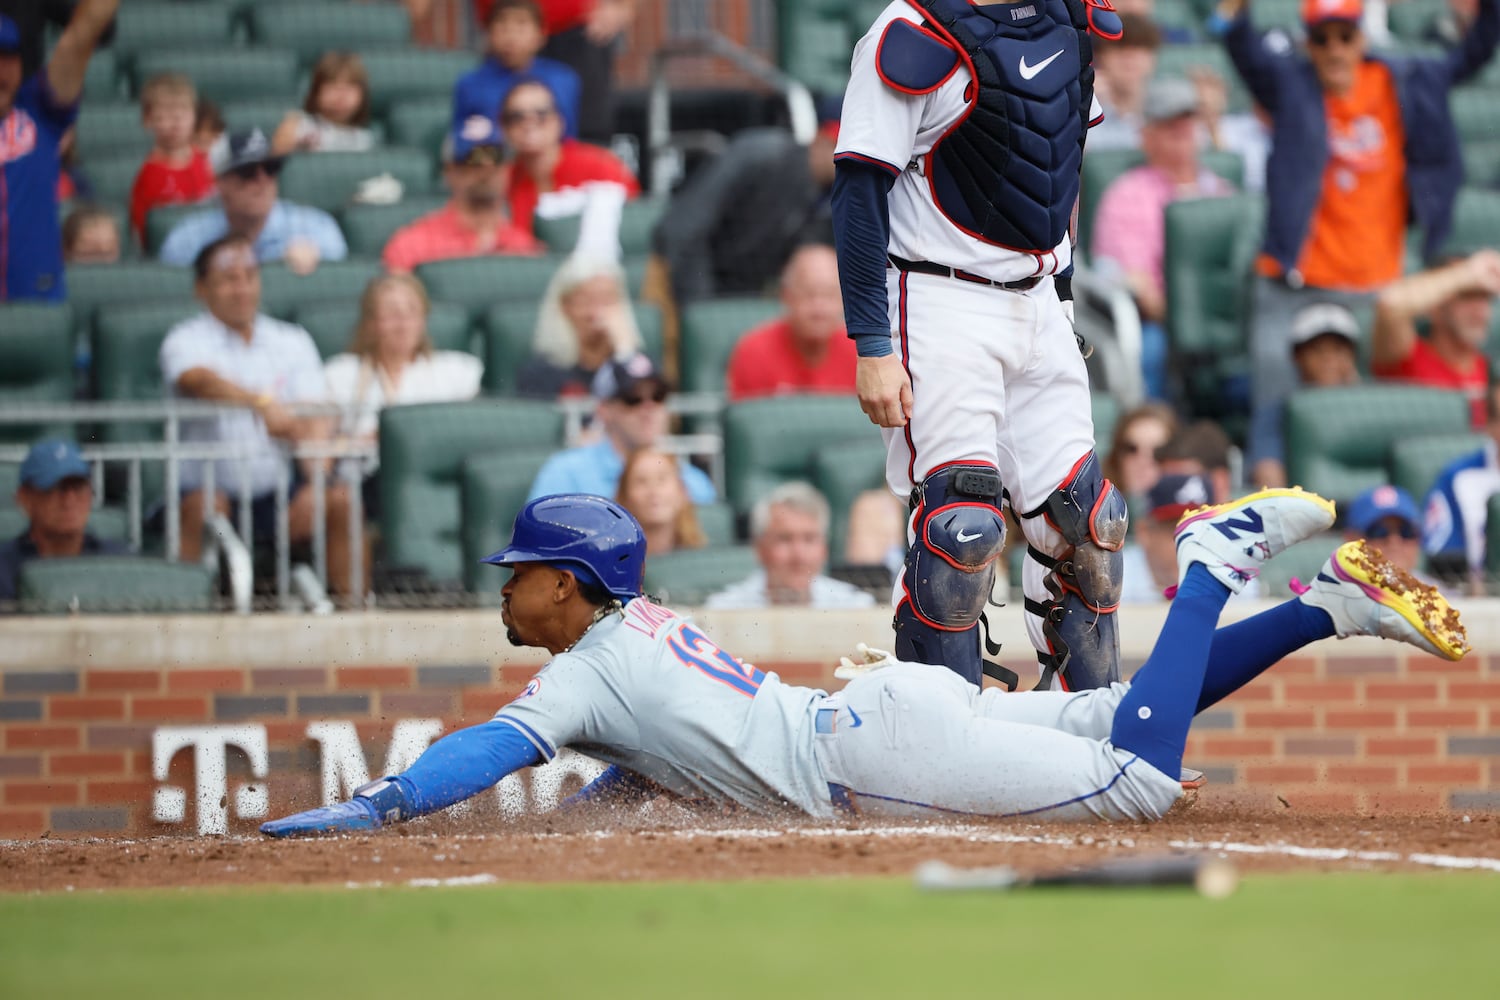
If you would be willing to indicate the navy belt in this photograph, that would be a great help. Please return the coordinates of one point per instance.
(928, 267)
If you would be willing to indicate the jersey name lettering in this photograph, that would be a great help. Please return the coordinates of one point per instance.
(647, 618)
(695, 650)
(1022, 13)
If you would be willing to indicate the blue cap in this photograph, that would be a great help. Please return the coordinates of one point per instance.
(593, 537)
(10, 35)
(50, 462)
(1373, 506)
(476, 132)
(1175, 494)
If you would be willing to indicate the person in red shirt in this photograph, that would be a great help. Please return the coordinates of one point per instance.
(474, 221)
(547, 171)
(1459, 299)
(176, 171)
(807, 349)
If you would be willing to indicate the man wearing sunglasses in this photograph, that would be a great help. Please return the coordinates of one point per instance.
(1360, 144)
(1388, 517)
(250, 206)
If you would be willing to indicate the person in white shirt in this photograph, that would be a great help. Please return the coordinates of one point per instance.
(391, 363)
(789, 528)
(233, 354)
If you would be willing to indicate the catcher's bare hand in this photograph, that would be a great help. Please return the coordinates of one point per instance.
(884, 390)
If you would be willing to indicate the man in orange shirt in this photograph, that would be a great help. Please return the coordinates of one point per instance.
(807, 349)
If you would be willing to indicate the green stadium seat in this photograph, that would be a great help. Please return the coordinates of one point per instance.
(709, 332)
(770, 441)
(368, 228)
(814, 40)
(127, 340)
(36, 363)
(330, 180)
(112, 175)
(283, 293)
(686, 577)
(226, 74)
(637, 221)
(1411, 19)
(160, 222)
(477, 283)
(841, 473)
(1416, 461)
(111, 129)
(1105, 410)
(148, 27)
(422, 452)
(399, 75)
(1284, 14)
(717, 522)
(114, 584)
(495, 488)
(92, 286)
(1476, 112)
(1482, 161)
(422, 123)
(332, 325)
(1338, 441)
(264, 113)
(1178, 15)
(1302, 561)
(101, 81)
(1492, 542)
(312, 29)
(1476, 218)
(510, 327)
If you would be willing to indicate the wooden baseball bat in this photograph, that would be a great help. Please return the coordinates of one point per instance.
(1211, 877)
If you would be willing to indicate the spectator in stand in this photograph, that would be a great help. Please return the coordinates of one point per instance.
(584, 35)
(391, 362)
(175, 171)
(1247, 134)
(548, 173)
(585, 321)
(1360, 145)
(1130, 226)
(1199, 449)
(652, 489)
(474, 222)
(33, 20)
(1150, 565)
(514, 36)
(1325, 353)
(1453, 532)
(789, 529)
(57, 494)
(1388, 516)
(210, 134)
(1459, 300)
(90, 236)
(632, 415)
(1131, 462)
(249, 206)
(807, 349)
(335, 117)
(35, 112)
(1122, 68)
(231, 353)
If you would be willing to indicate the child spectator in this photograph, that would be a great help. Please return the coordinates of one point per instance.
(335, 117)
(175, 171)
(90, 236)
(652, 489)
(514, 36)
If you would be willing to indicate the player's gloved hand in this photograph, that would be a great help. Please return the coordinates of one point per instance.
(342, 817)
(865, 659)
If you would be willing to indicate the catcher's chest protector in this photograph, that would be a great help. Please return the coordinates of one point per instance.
(1008, 171)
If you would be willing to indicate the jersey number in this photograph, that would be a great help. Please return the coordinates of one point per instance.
(695, 650)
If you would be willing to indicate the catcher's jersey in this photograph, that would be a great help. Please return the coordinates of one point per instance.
(646, 690)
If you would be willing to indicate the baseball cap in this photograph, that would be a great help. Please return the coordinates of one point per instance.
(1319, 11)
(1175, 494)
(10, 35)
(1168, 98)
(51, 461)
(1374, 505)
(476, 133)
(621, 377)
(242, 150)
(1315, 320)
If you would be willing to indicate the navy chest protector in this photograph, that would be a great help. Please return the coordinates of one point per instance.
(1007, 172)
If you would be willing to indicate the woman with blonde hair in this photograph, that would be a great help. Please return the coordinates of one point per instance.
(652, 489)
(585, 320)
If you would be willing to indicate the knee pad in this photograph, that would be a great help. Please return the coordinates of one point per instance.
(960, 532)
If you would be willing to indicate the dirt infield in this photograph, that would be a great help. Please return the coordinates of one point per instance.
(676, 846)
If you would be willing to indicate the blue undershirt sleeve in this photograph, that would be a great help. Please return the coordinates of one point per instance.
(862, 236)
(463, 764)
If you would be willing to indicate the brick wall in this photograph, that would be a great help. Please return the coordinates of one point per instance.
(1368, 732)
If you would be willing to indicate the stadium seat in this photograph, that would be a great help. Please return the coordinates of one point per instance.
(160, 222)
(637, 221)
(1284, 14)
(477, 283)
(1476, 217)
(1410, 20)
(330, 180)
(36, 362)
(495, 488)
(101, 82)
(1178, 16)
(283, 293)
(148, 27)
(686, 577)
(841, 473)
(312, 29)
(1476, 112)
(814, 39)
(717, 521)
(1338, 441)
(709, 332)
(1492, 542)
(111, 176)
(332, 325)
(106, 129)
(114, 584)
(1416, 461)
(368, 228)
(421, 123)
(510, 327)
(226, 74)
(1105, 410)
(127, 340)
(264, 113)
(398, 75)
(770, 441)
(93, 285)
(422, 452)
(1482, 161)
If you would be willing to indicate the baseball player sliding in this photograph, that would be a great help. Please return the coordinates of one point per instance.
(957, 175)
(641, 688)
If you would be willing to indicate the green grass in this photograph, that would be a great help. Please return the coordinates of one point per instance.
(1322, 935)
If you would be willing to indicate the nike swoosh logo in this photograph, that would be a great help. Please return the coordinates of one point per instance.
(1027, 72)
(857, 721)
(967, 538)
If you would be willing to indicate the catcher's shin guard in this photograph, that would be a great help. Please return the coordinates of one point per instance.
(1083, 582)
(950, 568)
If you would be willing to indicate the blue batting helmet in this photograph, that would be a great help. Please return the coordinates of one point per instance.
(597, 539)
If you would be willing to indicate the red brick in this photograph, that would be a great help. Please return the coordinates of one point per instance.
(1363, 774)
(41, 738)
(1470, 666)
(1237, 746)
(196, 681)
(121, 681)
(410, 704)
(281, 733)
(1362, 666)
(1280, 718)
(1401, 746)
(514, 674)
(1319, 746)
(86, 709)
(802, 673)
(286, 679)
(22, 822)
(1320, 800)
(50, 793)
(79, 764)
(140, 763)
(116, 792)
(1281, 774)
(1407, 691)
(1363, 718)
(1473, 690)
(1300, 692)
(1258, 691)
(1406, 800)
(170, 709)
(1451, 772)
(1442, 718)
(380, 678)
(1299, 666)
(481, 703)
